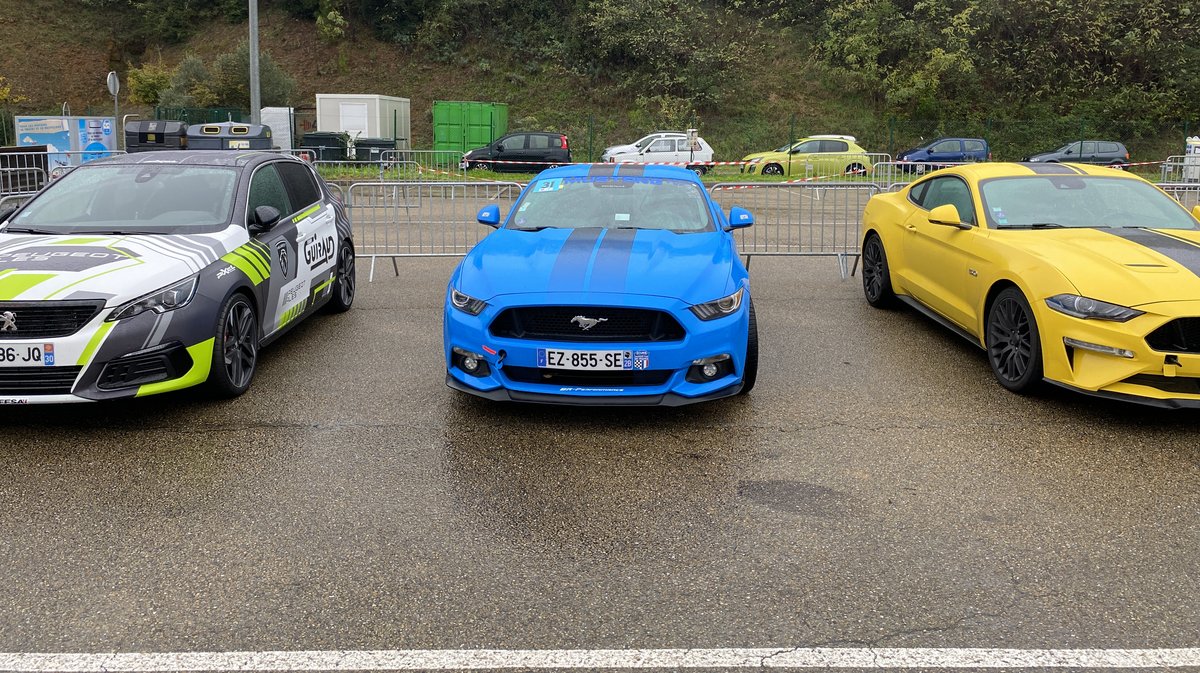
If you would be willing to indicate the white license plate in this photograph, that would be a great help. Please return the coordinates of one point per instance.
(26, 355)
(462, 165)
(552, 358)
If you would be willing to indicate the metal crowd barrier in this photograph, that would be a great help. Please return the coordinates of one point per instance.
(396, 219)
(1186, 193)
(15, 181)
(800, 219)
(893, 175)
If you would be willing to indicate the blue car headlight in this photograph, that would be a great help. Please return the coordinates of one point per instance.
(466, 303)
(711, 310)
(160, 301)
(1093, 309)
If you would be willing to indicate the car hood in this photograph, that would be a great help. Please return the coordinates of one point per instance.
(693, 267)
(763, 155)
(116, 269)
(1129, 267)
(620, 149)
(1041, 156)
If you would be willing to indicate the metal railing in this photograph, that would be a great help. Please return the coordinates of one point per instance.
(1186, 193)
(394, 219)
(892, 175)
(805, 219)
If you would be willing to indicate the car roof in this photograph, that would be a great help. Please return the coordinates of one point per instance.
(986, 170)
(620, 170)
(230, 158)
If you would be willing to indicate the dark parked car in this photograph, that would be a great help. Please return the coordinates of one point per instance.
(1104, 152)
(946, 151)
(522, 152)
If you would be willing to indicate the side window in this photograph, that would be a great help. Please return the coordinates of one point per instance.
(537, 141)
(266, 189)
(951, 191)
(834, 146)
(1109, 148)
(946, 146)
(810, 146)
(917, 193)
(298, 180)
(664, 145)
(514, 142)
(973, 145)
(1089, 148)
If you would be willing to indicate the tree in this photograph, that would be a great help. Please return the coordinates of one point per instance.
(147, 83)
(231, 79)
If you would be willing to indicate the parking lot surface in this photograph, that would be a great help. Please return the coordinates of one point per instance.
(877, 489)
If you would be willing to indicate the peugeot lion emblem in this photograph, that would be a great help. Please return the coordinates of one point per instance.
(281, 248)
(586, 323)
(8, 322)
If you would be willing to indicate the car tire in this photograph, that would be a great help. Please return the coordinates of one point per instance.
(1013, 342)
(480, 166)
(856, 169)
(698, 170)
(876, 276)
(772, 169)
(1117, 165)
(750, 373)
(235, 348)
(344, 283)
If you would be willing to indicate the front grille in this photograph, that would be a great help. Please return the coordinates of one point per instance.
(1168, 384)
(45, 319)
(1181, 335)
(37, 380)
(554, 323)
(134, 370)
(569, 377)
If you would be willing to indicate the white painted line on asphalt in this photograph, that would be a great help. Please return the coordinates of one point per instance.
(717, 658)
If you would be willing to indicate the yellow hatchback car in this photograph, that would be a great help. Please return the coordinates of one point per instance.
(814, 156)
(1083, 276)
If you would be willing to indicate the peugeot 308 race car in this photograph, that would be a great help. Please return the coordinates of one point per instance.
(157, 271)
(617, 285)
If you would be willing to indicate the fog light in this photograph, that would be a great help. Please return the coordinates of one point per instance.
(710, 370)
(470, 364)
(473, 364)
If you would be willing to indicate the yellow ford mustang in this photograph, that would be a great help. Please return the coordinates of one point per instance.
(1083, 276)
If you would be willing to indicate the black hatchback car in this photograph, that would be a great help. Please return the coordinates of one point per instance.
(520, 152)
(1105, 152)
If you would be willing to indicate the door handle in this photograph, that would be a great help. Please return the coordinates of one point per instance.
(911, 227)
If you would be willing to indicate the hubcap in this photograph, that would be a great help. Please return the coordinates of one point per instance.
(241, 347)
(346, 276)
(1010, 339)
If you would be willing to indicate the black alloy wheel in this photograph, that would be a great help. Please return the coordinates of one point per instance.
(856, 169)
(772, 169)
(481, 166)
(1013, 342)
(344, 281)
(235, 352)
(877, 278)
(750, 371)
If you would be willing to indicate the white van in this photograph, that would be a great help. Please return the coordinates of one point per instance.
(662, 147)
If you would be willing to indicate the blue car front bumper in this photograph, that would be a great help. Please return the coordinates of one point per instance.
(515, 368)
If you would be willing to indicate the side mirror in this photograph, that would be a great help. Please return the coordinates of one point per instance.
(1067, 152)
(1195, 213)
(489, 215)
(265, 217)
(740, 217)
(947, 214)
(7, 212)
(499, 147)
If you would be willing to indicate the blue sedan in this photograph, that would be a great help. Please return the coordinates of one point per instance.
(605, 285)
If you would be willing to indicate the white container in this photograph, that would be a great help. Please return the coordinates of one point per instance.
(1191, 160)
(280, 121)
(365, 116)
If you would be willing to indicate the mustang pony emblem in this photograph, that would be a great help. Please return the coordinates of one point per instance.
(8, 322)
(587, 323)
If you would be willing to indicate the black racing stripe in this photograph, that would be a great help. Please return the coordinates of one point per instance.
(1050, 169)
(612, 261)
(631, 170)
(1184, 253)
(598, 170)
(570, 268)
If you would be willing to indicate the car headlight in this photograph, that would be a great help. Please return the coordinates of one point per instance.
(724, 306)
(755, 160)
(1093, 309)
(160, 301)
(466, 303)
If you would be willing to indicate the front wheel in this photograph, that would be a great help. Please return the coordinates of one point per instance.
(344, 281)
(1014, 345)
(480, 166)
(750, 374)
(235, 348)
(877, 278)
(772, 169)
(698, 170)
(856, 169)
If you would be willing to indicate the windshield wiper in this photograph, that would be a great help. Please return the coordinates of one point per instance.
(1035, 225)
(28, 230)
(530, 228)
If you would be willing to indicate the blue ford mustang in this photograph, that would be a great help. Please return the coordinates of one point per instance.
(605, 285)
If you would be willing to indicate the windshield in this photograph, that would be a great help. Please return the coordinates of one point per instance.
(785, 148)
(133, 199)
(1080, 201)
(623, 202)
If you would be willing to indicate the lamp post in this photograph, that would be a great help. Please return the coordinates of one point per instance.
(255, 97)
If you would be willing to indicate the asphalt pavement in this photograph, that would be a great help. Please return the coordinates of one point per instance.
(877, 489)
